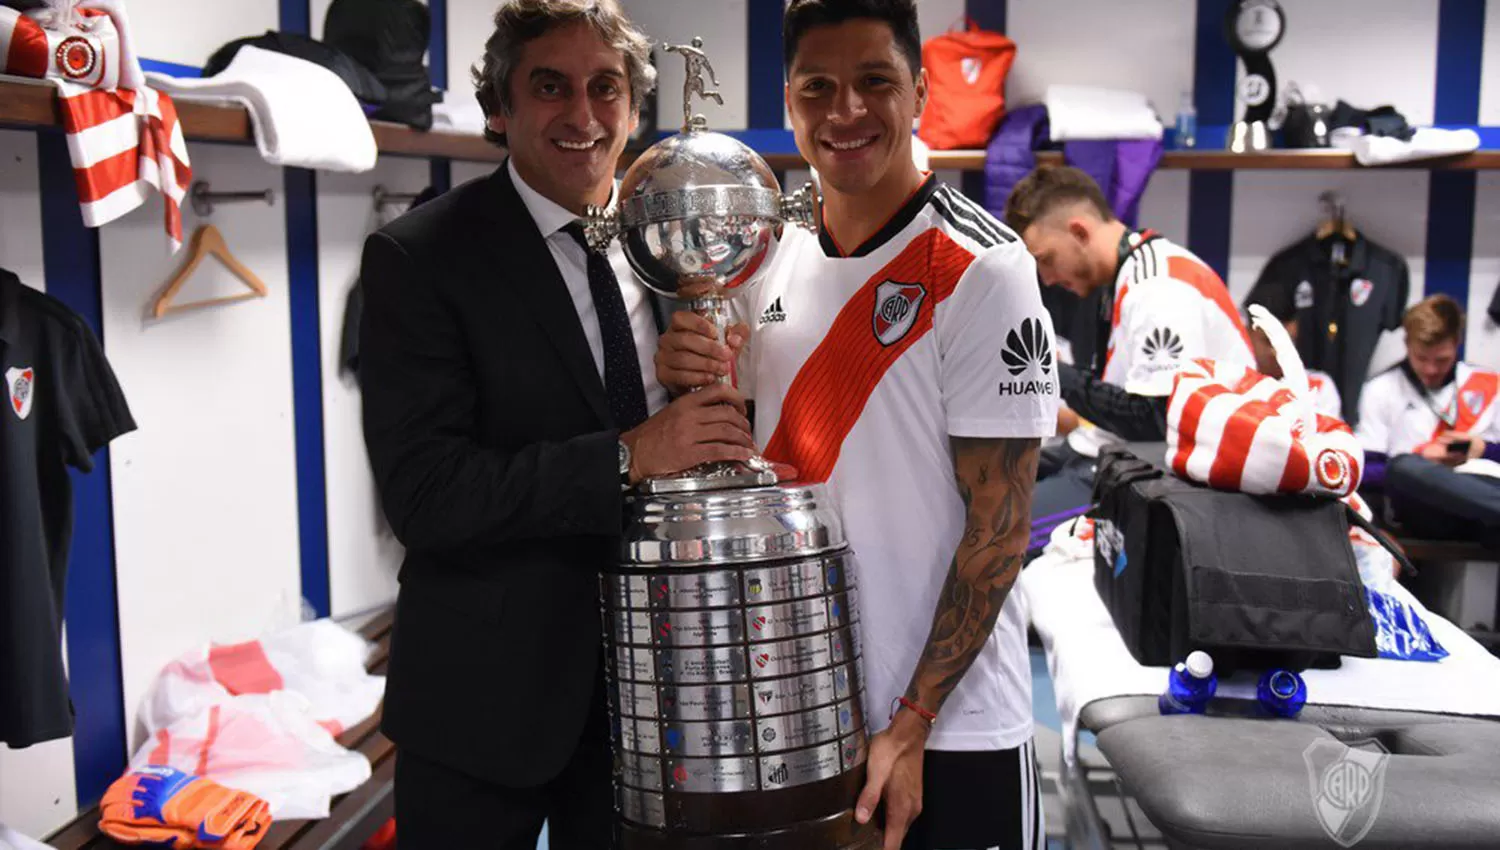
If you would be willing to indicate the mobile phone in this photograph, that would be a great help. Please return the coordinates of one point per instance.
(1458, 447)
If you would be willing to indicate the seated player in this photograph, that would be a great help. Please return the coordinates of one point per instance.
(1161, 307)
(1422, 421)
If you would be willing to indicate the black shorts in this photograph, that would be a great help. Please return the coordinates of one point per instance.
(987, 800)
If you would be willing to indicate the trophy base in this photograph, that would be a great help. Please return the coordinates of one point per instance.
(722, 475)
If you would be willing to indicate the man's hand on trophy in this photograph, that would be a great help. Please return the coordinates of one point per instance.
(690, 356)
(700, 427)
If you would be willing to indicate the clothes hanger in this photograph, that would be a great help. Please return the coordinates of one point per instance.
(207, 241)
(1335, 218)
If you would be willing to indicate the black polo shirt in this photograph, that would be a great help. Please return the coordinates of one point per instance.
(1342, 308)
(61, 404)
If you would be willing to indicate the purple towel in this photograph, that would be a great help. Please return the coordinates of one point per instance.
(1121, 168)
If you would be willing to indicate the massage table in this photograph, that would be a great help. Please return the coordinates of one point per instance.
(1235, 780)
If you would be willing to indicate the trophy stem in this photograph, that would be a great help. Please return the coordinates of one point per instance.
(718, 475)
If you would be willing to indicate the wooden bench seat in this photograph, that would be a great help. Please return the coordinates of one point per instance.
(353, 817)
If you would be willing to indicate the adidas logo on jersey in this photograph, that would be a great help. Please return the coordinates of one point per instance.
(773, 312)
(1027, 348)
(1162, 344)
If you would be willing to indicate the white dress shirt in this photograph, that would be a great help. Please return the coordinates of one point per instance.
(572, 263)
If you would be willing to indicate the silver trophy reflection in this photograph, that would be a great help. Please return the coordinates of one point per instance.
(732, 616)
(698, 215)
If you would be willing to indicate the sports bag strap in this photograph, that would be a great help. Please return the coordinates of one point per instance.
(1356, 518)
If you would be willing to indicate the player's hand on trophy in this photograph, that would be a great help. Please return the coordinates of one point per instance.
(894, 777)
(700, 427)
(690, 356)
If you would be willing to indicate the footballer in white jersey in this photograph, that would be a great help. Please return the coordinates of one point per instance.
(1399, 415)
(862, 366)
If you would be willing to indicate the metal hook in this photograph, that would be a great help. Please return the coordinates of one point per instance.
(384, 197)
(1331, 203)
(204, 199)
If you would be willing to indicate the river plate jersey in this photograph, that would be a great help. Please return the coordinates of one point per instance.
(862, 365)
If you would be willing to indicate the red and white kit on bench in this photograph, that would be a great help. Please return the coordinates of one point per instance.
(261, 716)
(123, 136)
(1232, 428)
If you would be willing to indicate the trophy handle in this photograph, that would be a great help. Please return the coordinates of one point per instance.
(600, 227)
(801, 207)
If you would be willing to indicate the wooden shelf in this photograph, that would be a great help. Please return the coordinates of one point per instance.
(33, 104)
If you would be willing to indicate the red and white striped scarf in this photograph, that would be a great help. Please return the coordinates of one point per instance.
(1232, 428)
(124, 138)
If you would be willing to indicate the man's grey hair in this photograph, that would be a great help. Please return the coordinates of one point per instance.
(520, 21)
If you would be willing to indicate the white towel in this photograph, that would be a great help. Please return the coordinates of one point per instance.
(461, 116)
(1426, 143)
(1079, 113)
(303, 114)
(12, 840)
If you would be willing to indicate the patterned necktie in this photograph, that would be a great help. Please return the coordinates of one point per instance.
(622, 367)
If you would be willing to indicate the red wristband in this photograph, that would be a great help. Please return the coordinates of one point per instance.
(916, 709)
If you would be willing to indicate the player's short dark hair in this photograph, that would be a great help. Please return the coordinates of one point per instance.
(899, 15)
(1278, 301)
(1434, 319)
(1048, 187)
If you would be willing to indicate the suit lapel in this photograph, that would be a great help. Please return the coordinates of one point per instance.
(538, 287)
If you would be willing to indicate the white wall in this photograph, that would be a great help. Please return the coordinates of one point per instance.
(1484, 336)
(470, 23)
(1087, 42)
(1489, 83)
(1164, 207)
(363, 555)
(36, 784)
(1367, 52)
(188, 33)
(205, 492)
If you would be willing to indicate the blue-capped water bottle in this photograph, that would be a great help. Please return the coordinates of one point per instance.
(1190, 686)
(1281, 693)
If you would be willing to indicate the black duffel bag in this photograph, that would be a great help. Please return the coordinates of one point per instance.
(1255, 581)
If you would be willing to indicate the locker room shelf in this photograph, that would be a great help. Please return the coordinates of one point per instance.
(27, 104)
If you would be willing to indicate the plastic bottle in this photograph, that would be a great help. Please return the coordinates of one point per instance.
(1190, 686)
(1281, 693)
(1187, 122)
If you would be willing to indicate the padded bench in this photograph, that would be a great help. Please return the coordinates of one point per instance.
(1234, 782)
(353, 818)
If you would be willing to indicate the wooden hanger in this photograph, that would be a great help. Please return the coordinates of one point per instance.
(1335, 218)
(207, 241)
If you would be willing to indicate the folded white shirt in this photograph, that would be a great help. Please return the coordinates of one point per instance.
(302, 113)
(1080, 113)
(1426, 143)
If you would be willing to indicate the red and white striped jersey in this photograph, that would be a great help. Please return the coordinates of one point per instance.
(1397, 417)
(864, 364)
(1170, 308)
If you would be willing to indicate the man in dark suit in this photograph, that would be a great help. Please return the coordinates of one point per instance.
(508, 396)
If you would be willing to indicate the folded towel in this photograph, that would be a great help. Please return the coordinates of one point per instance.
(12, 840)
(1426, 143)
(303, 114)
(460, 116)
(1079, 113)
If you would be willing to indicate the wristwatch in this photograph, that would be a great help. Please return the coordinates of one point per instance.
(624, 463)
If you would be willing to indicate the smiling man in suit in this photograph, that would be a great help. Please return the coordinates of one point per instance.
(508, 397)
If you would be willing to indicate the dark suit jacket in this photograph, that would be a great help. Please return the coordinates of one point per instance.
(496, 460)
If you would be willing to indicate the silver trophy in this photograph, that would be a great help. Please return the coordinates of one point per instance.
(731, 617)
(698, 215)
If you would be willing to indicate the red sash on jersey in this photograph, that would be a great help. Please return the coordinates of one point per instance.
(831, 389)
(1472, 399)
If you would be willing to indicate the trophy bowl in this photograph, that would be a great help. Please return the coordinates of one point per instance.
(698, 215)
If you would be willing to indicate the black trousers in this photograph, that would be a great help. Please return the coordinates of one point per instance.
(438, 808)
(1431, 500)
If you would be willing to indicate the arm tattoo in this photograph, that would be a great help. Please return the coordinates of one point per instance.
(995, 479)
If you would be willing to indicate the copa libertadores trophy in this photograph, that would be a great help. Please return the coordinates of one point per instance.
(731, 621)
